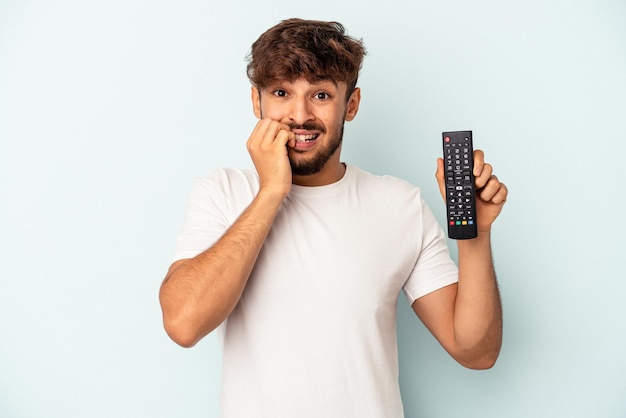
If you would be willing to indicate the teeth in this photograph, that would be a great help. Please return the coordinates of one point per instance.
(305, 138)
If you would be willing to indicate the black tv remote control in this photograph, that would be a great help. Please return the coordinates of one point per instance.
(458, 165)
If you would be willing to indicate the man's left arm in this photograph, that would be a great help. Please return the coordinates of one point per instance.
(466, 317)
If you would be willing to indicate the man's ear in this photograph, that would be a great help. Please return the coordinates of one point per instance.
(353, 104)
(255, 96)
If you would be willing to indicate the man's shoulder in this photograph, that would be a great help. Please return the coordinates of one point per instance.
(230, 186)
(229, 177)
(386, 182)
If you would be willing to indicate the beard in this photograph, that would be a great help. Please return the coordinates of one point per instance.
(314, 164)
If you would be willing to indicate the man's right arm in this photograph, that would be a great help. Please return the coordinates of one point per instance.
(197, 294)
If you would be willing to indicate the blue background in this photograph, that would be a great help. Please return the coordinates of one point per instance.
(109, 109)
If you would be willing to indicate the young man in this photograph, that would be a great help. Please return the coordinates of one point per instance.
(299, 263)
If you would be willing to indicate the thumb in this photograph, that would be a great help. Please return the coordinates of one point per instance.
(439, 175)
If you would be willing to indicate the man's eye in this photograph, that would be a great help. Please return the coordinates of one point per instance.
(280, 93)
(322, 96)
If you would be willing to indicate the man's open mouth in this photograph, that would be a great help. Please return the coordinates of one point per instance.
(306, 138)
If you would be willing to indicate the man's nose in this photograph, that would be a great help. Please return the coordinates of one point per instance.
(300, 111)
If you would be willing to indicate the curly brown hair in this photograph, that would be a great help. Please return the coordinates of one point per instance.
(309, 49)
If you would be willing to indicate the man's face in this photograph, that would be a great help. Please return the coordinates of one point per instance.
(315, 113)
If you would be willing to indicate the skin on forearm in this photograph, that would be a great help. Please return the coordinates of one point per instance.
(478, 310)
(199, 293)
(466, 317)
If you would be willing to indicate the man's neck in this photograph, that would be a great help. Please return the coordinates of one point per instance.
(326, 176)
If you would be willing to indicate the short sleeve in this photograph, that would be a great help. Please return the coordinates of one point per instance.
(434, 267)
(215, 202)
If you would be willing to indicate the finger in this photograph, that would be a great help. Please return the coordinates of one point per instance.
(501, 196)
(291, 143)
(479, 162)
(258, 127)
(270, 133)
(485, 175)
(279, 132)
(494, 191)
(258, 133)
(285, 137)
(266, 133)
(439, 175)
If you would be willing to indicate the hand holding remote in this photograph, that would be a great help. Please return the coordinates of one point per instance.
(474, 197)
(491, 194)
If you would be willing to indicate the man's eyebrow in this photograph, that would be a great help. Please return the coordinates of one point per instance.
(326, 80)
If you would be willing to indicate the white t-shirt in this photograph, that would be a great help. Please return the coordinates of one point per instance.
(314, 334)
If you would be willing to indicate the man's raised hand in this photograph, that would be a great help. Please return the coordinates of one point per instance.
(267, 146)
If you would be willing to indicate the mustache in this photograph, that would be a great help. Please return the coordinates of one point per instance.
(307, 127)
